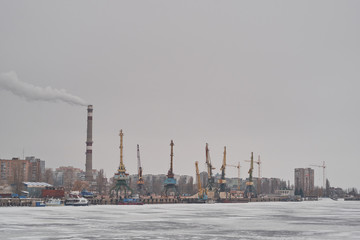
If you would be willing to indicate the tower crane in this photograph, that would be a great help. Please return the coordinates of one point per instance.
(323, 166)
(201, 192)
(238, 167)
(258, 162)
(210, 183)
(222, 181)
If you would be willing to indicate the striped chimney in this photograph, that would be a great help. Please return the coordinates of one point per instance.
(89, 142)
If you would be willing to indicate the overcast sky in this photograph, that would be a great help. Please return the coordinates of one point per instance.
(277, 78)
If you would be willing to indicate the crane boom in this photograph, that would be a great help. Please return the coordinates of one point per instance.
(140, 181)
(210, 183)
(198, 176)
(258, 162)
(138, 160)
(250, 191)
(201, 192)
(222, 181)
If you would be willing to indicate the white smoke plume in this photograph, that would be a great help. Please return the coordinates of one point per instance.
(9, 81)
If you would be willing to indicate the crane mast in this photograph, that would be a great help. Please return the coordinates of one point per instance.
(200, 190)
(121, 166)
(210, 183)
(222, 181)
(140, 181)
(198, 175)
(170, 181)
(250, 190)
(121, 177)
(170, 172)
(250, 172)
(239, 183)
(258, 162)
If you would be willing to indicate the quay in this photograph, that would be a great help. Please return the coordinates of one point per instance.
(31, 202)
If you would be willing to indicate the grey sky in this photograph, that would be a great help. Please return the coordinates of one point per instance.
(279, 78)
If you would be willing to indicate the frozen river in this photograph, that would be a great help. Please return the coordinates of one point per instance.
(325, 219)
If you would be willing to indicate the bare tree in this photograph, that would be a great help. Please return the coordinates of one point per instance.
(80, 185)
(49, 176)
(69, 179)
(18, 170)
(101, 182)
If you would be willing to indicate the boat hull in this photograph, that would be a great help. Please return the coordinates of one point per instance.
(236, 200)
(131, 203)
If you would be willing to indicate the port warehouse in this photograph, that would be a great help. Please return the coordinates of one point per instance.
(37, 190)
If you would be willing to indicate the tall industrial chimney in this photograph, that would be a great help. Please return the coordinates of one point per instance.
(89, 142)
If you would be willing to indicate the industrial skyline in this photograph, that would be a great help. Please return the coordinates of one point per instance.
(279, 80)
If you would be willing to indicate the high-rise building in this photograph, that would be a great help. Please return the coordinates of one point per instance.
(36, 169)
(304, 181)
(19, 170)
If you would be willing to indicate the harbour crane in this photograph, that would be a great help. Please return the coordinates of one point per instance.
(170, 181)
(201, 191)
(210, 182)
(323, 166)
(121, 176)
(250, 190)
(238, 167)
(222, 180)
(258, 162)
(140, 181)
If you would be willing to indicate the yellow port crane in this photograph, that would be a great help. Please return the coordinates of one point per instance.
(201, 191)
(222, 181)
(238, 167)
(121, 177)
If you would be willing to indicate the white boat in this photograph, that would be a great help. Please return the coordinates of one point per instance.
(54, 202)
(81, 202)
(76, 201)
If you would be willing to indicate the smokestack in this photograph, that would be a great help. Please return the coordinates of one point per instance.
(89, 142)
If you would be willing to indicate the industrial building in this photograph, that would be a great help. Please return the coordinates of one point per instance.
(34, 189)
